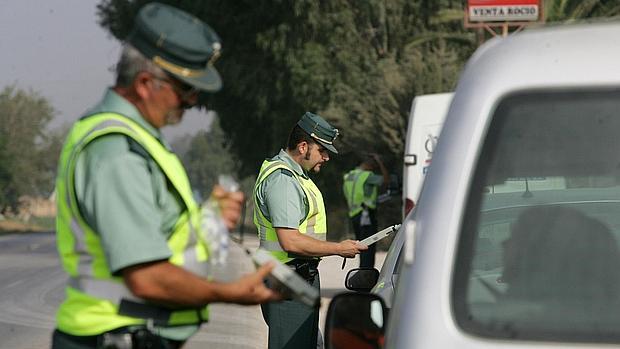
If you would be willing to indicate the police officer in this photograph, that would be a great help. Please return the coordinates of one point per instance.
(292, 224)
(128, 228)
(361, 187)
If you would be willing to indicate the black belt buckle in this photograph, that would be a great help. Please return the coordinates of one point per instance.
(307, 269)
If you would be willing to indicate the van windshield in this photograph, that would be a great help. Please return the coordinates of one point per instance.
(538, 257)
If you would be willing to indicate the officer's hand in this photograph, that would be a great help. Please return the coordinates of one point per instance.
(349, 248)
(251, 289)
(230, 204)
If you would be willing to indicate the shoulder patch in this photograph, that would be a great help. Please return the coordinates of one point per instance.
(287, 172)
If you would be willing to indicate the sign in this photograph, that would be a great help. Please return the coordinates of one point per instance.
(503, 10)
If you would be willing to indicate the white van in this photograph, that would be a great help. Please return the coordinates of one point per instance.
(492, 259)
(426, 118)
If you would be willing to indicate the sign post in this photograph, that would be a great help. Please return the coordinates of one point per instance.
(502, 14)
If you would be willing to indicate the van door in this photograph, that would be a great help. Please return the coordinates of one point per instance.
(426, 118)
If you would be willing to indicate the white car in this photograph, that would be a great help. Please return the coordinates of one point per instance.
(515, 241)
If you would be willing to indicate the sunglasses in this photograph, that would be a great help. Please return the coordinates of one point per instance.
(184, 91)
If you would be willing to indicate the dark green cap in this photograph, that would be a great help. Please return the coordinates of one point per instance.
(179, 43)
(320, 130)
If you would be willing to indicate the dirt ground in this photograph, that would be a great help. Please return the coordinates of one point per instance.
(10, 226)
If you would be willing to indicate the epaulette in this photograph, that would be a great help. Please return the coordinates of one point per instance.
(286, 172)
(137, 148)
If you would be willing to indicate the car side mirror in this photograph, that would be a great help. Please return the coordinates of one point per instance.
(354, 321)
(361, 279)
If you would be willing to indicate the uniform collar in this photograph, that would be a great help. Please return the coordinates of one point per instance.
(284, 157)
(112, 102)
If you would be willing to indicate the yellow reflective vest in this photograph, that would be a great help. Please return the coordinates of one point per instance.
(353, 188)
(93, 294)
(313, 225)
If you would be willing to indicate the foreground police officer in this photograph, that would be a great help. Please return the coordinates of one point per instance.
(127, 225)
(361, 187)
(292, 225)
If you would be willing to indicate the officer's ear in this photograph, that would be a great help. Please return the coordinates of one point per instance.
(303, 147)
(143, 84)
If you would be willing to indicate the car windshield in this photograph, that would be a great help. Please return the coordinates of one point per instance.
(538, 257)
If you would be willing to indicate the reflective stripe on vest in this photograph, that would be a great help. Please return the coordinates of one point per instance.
(93, 295)
(313, 225)
(353, 188)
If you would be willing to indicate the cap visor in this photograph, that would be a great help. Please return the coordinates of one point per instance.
(210, 81)
(329, 147)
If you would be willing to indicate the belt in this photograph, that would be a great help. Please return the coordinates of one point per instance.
(298, 262)
(306, 268)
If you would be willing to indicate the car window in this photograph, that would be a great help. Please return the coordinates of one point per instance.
(538, 255)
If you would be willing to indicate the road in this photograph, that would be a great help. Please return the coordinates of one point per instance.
(32, 284)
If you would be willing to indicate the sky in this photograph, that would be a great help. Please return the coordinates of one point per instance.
(57, 49)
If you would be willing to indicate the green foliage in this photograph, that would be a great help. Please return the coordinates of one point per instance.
(27, 152)
(7, 193)
(359, 63)
(571, 10)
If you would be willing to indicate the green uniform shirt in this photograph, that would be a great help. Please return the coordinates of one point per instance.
(124, 196)
(280, 196)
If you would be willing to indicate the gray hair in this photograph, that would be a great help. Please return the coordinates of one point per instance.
(131, 63)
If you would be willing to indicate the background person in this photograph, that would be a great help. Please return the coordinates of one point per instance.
(128, 229)
(545, 253)
(292, 224)
(559, 264)
(361, 187)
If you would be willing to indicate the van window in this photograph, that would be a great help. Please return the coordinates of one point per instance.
(538, 255)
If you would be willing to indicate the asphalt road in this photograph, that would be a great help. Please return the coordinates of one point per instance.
(32, 284)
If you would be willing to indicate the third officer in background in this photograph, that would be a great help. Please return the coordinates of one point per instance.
(292, 225)
(361, 187)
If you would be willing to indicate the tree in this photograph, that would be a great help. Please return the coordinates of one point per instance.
(354, 62)
(7, 193)
(26, 165)
(359, 63)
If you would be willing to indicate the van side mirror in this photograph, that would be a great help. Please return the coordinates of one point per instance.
(361, 279)
(354, 321)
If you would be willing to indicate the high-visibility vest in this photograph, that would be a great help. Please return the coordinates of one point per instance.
(313, 225)
(353, 188)
(93, 295)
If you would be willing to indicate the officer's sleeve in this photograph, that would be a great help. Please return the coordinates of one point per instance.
(115, 192)
(284, 200)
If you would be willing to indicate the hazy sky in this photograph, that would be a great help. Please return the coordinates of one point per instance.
(56, 48)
